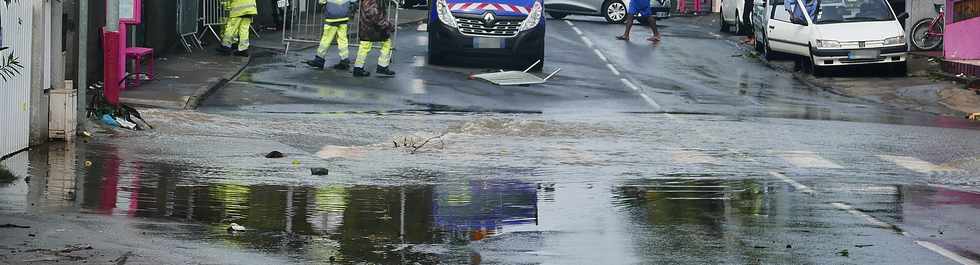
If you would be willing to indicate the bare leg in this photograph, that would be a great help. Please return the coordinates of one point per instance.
(629, 26)
(653, 26)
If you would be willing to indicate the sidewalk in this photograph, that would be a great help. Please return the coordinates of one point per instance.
(183, 80)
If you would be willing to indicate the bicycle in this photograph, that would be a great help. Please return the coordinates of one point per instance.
(927, 34)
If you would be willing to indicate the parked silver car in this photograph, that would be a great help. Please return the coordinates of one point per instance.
(614, 11)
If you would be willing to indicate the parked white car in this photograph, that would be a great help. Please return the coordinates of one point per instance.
(842, 32)
(735, 16)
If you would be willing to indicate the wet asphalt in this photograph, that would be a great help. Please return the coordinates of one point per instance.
(685, 152)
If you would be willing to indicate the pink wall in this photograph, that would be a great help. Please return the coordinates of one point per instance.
(961, 39)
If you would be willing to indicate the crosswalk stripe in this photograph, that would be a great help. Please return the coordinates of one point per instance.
(692, 157)
(915, 164)
(807, 159)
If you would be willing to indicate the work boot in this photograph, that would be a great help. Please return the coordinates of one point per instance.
(383, 70)
(223, 50)
(343, 65)
(359, 72)
(317, 62)
(242, 53)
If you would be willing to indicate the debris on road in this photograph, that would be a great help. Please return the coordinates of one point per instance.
(319, 171)
(122, 259)
(974, 116)
(234, 227)
(844, 253)
(516, 78)
(275, 154)
(13, 226)
(863, 245)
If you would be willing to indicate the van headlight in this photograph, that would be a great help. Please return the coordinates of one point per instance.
(445, 15)
(827, 44)
(900, 40)
(533, 18)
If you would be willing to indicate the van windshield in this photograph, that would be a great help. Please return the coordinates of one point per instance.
(846, 11)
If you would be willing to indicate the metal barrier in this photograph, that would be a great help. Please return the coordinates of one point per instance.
(303, 22)
(215, 15)
(187, 24)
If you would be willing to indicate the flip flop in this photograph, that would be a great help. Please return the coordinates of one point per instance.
(622, 38)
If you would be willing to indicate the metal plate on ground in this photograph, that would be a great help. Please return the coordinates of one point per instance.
(511, 78)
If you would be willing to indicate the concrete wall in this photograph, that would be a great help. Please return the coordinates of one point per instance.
(962, 39)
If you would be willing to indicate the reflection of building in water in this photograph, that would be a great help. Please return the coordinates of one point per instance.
(53, 185)
(330, 201)
(483, 208)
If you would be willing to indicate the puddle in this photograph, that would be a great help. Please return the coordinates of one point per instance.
(349, 223)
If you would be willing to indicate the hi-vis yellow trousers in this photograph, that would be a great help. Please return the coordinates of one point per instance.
(365, 48)
(329, 33)
(237, 27)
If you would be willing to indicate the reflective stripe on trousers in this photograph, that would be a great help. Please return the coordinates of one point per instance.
(237, 27)
(329, 32)
(365, 47)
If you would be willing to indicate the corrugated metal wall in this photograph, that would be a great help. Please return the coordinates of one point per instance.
(15, 93)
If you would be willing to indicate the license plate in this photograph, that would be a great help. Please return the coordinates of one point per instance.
(488, 43)
(661, 14)
(863, 54)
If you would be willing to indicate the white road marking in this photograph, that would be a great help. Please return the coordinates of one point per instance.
(653, 103)
(419, 61)
(857, 213)
(569, 22)
(422, 40)
(587, 41)
(800, 187)
(629, 84)
(613, 69)
(915, 164)
(946, 253)
(577, 31)
(715, 35)
(691, 157)
(807, 159)
(599, 53)
(418, 86)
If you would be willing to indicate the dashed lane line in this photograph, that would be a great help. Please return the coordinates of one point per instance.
(928, 245)
(807, 159)
(946, 253)
(613, 69)
(577, 31)
(569, 22)
(601, 56)
(587, 41)
(798, 186)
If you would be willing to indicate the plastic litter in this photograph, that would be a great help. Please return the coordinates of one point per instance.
(235, 228)
(125, 124)
(108, 120)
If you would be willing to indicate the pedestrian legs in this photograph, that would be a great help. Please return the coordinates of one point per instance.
(231, 32)
(383, 61)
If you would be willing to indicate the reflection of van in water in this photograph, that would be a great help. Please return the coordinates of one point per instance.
(840, 33)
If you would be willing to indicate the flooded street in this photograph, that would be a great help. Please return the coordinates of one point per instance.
(684, 169)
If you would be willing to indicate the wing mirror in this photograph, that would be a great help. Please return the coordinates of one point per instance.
(903, 16)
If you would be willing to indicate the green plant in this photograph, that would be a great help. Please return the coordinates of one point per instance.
(6, 177)
(10, 67)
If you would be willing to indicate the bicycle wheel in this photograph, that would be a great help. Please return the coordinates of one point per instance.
(921, 39)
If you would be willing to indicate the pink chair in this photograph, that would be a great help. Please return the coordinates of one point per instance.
(138, 54)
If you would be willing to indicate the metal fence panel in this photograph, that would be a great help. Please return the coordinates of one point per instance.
(15, 92)
(213, 16)
(303, 22)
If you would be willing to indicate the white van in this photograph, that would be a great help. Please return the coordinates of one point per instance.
(842, 32)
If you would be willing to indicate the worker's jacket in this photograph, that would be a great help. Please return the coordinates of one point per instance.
(337, 11)
(241, 8)
(374, 24)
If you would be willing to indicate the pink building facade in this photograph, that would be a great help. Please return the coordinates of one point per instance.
(962, 36)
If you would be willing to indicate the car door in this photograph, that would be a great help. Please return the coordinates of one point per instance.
(784, 35)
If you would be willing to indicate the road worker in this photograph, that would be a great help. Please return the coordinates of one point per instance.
(374, 27)
(238, 26)
(336, 17)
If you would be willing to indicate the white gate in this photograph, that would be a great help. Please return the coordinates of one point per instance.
(15, 32)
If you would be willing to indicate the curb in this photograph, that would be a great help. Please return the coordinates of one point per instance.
(195, 100)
